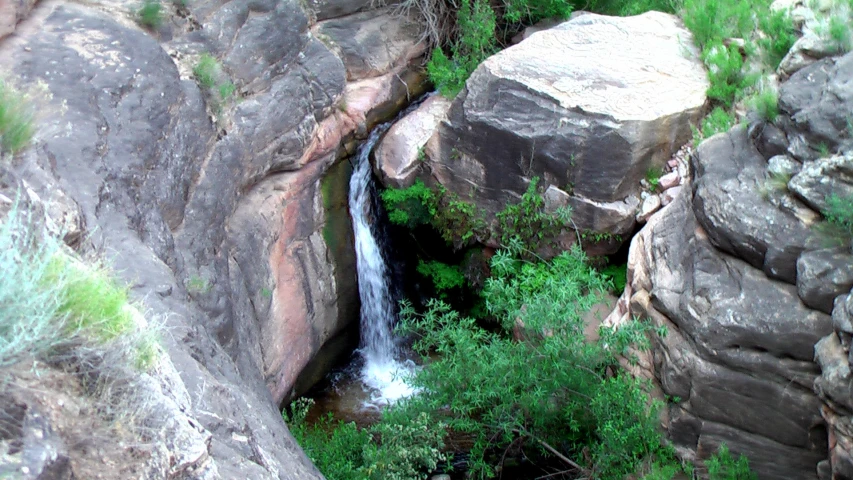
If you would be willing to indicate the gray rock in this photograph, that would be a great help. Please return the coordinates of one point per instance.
(372, 43)
(400, 153)
(736, 342)
(818, 100)
(835, 382)
(823, 275)
(783, 166)
(12, 12)
(588, 106)
(819, 179)
(729, 176)
(650, 205)
(769, 139)
(249, 207)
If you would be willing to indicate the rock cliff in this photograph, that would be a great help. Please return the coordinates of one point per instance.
(223, 212)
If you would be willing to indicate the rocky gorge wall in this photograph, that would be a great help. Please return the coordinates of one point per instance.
(739, 273)
(227, 217)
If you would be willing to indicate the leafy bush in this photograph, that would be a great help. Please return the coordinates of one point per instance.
(653, 177)
(150, 15)
(16, 119)
(779, 36)
(766, 104)
(526, 224)
(392, 449)
(722, 466)
(726, 73)
(412, 206)
(444, 277)
(712, 21)
(206, 70)
(550, 389)
(474, 43)
(618, 276)
(531, 11)
(719, 120)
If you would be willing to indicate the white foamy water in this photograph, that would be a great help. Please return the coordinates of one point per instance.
(383, 372)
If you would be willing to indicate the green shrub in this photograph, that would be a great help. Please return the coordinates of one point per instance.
(722, 466)
(396, 448)
(779, 37)
(839, 215)
(16, 119)
(548, 390)
(206, 70)
(211, 77)
(150, 15)
(719, 120)
(653, 177)
(443, 276)
(766, 104)
(412, 206)
(712, 21)
(48, 299)
(838, 31)
(726, 74)
(474, 43)
(526, 224)
(618, 276)
(531, 11)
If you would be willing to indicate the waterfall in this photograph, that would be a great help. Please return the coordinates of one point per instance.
(383, 372)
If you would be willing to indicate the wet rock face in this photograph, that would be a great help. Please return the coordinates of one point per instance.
(225, 227)
(588, 106)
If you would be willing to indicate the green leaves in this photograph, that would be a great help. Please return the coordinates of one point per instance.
(539, 379)
(474, 43)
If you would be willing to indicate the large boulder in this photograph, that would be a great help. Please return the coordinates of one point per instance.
(588, 106)
(13, 12)
(401, 151)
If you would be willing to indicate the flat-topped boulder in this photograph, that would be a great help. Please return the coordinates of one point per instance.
(589, 106)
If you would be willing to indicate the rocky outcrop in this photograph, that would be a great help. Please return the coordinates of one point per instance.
(12, 12)
(737, 270)
(228, 227)
(400, 153)
(588, 106)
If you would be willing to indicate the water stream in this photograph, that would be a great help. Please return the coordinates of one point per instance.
(383, 372)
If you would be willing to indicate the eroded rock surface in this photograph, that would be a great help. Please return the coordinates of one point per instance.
(588, 106)
(741, 272)
(221, 215)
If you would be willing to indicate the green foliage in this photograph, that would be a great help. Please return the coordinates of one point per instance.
(653, 177)
(779, 36)
(396, 448)
(150, 15)
(526, 224)
(766, 104)
(633, 7)
(16, 119)
(211, 77)
(618, 276)
(475, 41)
(198, 285)
(444, 277)
(49, 299)
(206, 70)
(722, 466)
(719, 120)
(551, 387)
(726, 73)
(823, 150)
(88, 300)
(712, 21)
(838, 32)
(839, 218)
(531, 11)
(412, 206)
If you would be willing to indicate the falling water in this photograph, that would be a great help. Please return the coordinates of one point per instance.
(382, 372)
